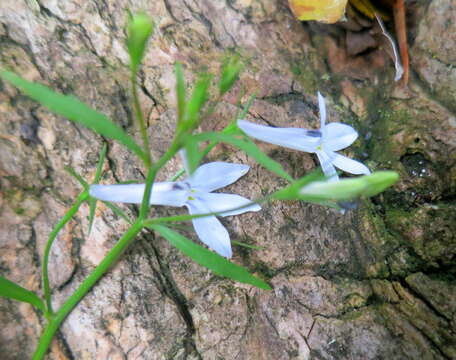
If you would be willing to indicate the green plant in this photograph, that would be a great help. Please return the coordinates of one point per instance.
(191, 111)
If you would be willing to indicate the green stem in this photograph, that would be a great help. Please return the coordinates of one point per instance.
(140, 117)
(52, 236)
(113, 255)
(177, 175)
(173, 149)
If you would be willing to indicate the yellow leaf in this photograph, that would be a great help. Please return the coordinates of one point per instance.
(328, 11)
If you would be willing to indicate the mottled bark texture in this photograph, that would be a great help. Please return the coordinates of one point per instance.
(375, 283)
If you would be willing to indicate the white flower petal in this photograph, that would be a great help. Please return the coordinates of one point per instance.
(217, 202)
(322, 108)
(327, 166)
(131, 193)
(216, 175)
(293, 138)
(351, 166)
(163, 193)
(338, 136)
(209, 229)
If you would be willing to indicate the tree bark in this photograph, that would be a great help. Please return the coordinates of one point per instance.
(375, 283)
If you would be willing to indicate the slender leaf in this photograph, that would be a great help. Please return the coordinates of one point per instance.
(101, 159)
(196, 102)
(293, 191)
(118, 211)
(78, 177)
(218, 264)
(92, 207)
(12, 290)
(231, 128)
(248, 147)
(231, 68)
(193, 155)
(180, 93)
(177, 175)
(244, 111)
(248, 246)
(93, 201)
(74, 110)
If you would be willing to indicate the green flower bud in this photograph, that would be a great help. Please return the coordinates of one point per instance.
(140, 28)
(230, 73)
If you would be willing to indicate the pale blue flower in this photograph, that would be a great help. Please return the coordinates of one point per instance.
(195, 193)
(323, 142)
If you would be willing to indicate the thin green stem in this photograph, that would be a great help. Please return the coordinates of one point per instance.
(113, 255)
(173, 149)
(177, 175)
(234, 242)
(140, 118)
(52, 236)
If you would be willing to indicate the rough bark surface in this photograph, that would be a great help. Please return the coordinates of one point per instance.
(375, 283)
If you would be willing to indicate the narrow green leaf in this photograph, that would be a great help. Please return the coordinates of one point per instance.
(180, 93)
(139, 29)
(92, 207)
(193, 155)
(248, 246)
(177, 175)
(196, 102)
(74, 110)
(293, 191)
(248, 147)
(116, 210)
(101, 159)
(243, 113)
(214, 262)
(231, 128)
(231, 68)
(98, 173)
(11, 290)
(78, 177)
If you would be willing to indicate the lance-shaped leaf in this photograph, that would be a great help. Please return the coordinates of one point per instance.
(74, 110)
(92, 201)
(231, 68)
(248, 147)
(180, 93)
(11, 290)
(208, 259)
(196, 102)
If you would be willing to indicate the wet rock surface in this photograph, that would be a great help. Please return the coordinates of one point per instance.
(376, 283)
